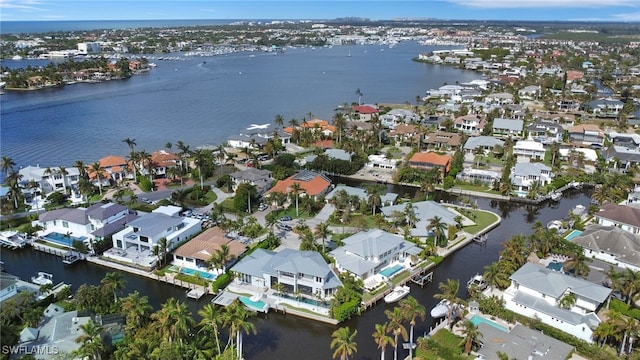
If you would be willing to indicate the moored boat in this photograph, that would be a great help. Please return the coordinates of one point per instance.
(71, 258)
(556, 196)
(42, 278)
(398, 293)
(440, 310)
(477, 281)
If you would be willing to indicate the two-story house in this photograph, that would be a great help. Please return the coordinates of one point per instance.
(538, 292)
(470, 124)
(529, 149)
(545, 132)
(430, 160)
(508, 127)
(93, 223)
(366, 253)
(310, 183)
(50, 179)
(259, 178)
(586, 134)
(301, 272)
(142, 234)
(524, 174)
(486, 143)
(443, 140)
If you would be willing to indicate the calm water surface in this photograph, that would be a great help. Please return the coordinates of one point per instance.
(287, 337)
(204, 100)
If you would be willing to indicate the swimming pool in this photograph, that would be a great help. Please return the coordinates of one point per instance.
(573, 234)
(388, 272)
(62, 239)
(555, 266)
(477, 320)
(193, 272)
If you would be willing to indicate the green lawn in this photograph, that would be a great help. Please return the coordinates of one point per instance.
(482, 220)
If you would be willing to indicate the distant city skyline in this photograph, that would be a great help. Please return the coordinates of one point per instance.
(533, 10)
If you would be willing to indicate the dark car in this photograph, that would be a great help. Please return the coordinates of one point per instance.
(286, 218)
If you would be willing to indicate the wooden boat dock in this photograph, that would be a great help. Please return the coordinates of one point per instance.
(422, 278)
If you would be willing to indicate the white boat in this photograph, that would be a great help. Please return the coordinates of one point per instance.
(42, 278)
(556, 196)
(398, 293)
(478, 282)
(440, 310)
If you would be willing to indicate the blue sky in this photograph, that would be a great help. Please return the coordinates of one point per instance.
(563, 10)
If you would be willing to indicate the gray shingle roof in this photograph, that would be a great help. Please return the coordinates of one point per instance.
(102, 211)
(153, 224)
(612, 240)
(567, 316)
(509, 124)
(485, 141)
(74, 215)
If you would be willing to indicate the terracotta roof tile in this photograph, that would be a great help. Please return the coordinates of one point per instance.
(315, 185)
(207, 243)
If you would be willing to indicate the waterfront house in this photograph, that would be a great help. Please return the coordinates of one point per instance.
(524, 175)
(500, 98)
(311, 184)
(115, 167)
(625, 217)
(143, 233)
(382, 162)
(430, 160)
(366, 253)
(486, 177)
(197, 253)
(530, 92)
(486, 143)
(49, 179)
(610, 244)
(586, 134)
(161, 161)
(91, 224)
(56, 334)
(365, 112)
(299, 272)
(442, 140)
(508, 127)
(537, 292)
(424, 211)
(8, 286)
(259, 178)
(386, 199)
(529, 149)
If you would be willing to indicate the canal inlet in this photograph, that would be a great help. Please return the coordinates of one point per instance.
(286, 337)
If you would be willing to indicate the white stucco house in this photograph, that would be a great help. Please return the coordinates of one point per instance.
(142, 234)
(49, 179)
(366, 253)
(624, 217)
(523, 175)
(536, 291)
(529, 149)
(610, 244)
(91, 224)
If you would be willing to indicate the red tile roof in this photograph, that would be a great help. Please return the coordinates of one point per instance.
(365, 109)
(207, 243)
(315, 185)
(433, 159)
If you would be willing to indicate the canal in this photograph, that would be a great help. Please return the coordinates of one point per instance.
(285, 337)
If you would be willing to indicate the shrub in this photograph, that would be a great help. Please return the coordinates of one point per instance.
(145, 184)
(346, 310)
(221, 282)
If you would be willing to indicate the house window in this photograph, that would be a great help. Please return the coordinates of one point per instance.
(119, 244)
(65, 224)
(144, 239)
(300, 275)
(318, 279)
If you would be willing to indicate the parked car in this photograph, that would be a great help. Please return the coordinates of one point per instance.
(284, 227)
(286, 218)
(187, 213)
(262, 207)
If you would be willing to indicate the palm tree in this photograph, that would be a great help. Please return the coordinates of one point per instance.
(359, 95)
(13, 180)
(412, 310)
(173, 320)
(295, 189)
(396, 326)
(114, 281)
(95, 167)
(438, 227)
(449, 292)
(382, 339)
(132, 153)
(322, 231)
(374, 199)
(136, 309)
(470, 335)
(278, 120)
(7, 164)
(91, 340)
(235, 318)
(343, 341)
(201, 160)
(211, 321)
